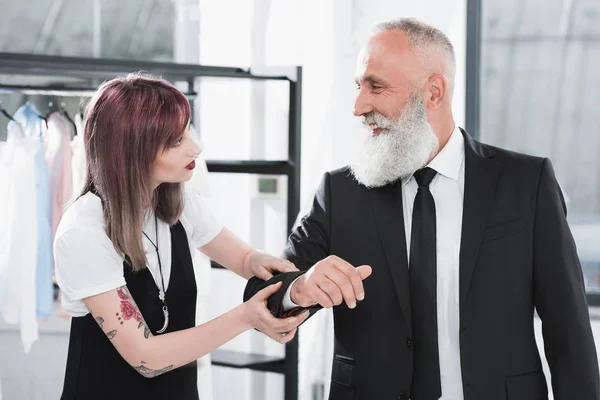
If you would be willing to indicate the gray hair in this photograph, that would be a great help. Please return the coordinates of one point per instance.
(421, 35)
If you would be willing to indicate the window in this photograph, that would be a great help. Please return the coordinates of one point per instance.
(539, 95)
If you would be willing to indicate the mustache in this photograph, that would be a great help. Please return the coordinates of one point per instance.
(376, 118)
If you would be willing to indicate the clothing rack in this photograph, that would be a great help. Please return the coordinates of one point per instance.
(98, 69)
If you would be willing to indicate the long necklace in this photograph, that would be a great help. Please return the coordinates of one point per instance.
(161, 291)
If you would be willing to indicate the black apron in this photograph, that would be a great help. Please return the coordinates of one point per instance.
(95, 370)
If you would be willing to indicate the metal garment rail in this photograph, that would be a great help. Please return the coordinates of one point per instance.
(107, 68)
(92, 69)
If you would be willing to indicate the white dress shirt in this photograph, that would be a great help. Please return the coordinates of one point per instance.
(447, 189)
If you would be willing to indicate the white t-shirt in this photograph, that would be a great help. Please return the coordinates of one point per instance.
(87, 264)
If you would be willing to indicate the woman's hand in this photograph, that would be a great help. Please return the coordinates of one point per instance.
(257, 315)
(262, 265)
(238, 256)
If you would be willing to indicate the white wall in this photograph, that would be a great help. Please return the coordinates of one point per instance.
(232, 126)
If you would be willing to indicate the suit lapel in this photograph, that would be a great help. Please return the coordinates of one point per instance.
(481, 178)
(387, 203)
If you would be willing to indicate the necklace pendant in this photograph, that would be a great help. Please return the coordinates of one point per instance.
(165, 311)
(161, 295)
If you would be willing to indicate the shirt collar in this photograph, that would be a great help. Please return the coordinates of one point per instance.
(449, 159)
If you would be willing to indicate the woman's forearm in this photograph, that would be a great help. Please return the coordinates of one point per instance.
(120, 319)
(229, 251)
(163, 353)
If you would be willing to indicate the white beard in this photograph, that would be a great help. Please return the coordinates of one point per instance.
(404, 146)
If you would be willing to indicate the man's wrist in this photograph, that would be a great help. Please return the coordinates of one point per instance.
(287, 301)
(294, 287)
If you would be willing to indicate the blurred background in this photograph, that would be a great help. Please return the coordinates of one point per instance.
(538, 96)
(526, 80)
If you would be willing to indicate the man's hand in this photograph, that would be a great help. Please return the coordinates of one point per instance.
(329, 282)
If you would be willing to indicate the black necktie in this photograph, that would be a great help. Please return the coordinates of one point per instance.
(422, 272)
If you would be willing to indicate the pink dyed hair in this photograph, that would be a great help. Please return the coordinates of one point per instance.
(128, 122)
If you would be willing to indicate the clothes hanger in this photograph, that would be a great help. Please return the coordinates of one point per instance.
(5, 113)
(27, 101)
(64, 113)
(82, 106)
(51, 109)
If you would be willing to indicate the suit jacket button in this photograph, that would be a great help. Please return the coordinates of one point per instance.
(408, 342)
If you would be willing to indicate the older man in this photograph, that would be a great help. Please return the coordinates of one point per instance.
(464, 241)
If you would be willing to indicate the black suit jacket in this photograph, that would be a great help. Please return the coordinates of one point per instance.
(517, 254)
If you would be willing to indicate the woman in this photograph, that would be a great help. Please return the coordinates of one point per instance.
(123, 253)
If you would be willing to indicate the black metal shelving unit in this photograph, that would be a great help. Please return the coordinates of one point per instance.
(89, 70)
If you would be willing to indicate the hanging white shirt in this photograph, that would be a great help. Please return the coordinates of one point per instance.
(87, 264)
(18, 233)
(57, 139)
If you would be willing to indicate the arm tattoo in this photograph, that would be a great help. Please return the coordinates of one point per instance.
(128, 307)
(146, 329)
(130, 310)
(110, 334)
(151, 373)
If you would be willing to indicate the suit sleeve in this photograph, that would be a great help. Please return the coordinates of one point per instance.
(307, 245)
(560, 297)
